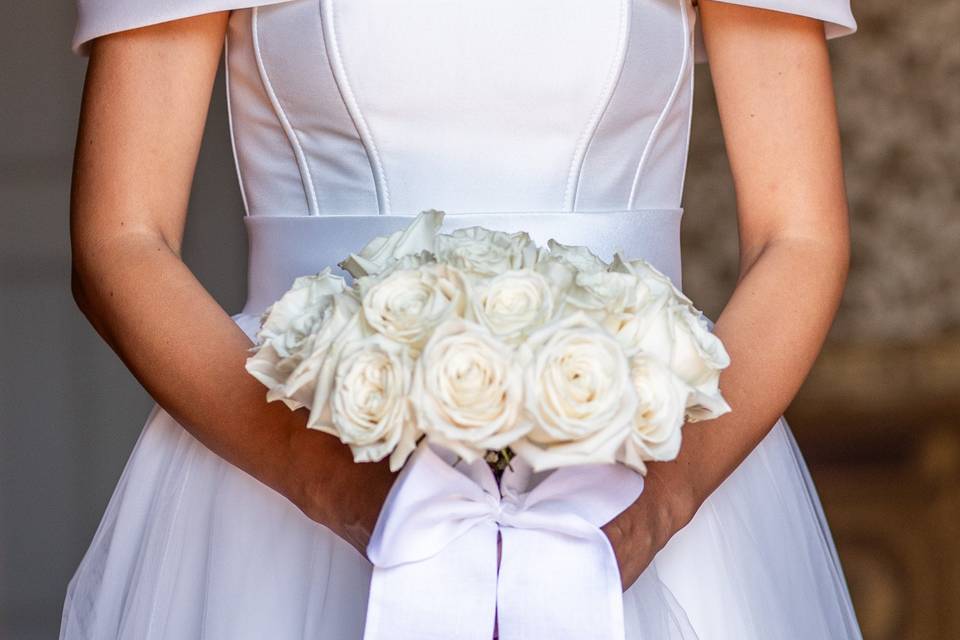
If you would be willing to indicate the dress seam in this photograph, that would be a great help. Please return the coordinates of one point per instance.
(691, 30)
(230, 125)
(342, 80)
(681, 75)
(587, 136)
(292, 137)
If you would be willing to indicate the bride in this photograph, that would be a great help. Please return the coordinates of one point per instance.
(231, 519)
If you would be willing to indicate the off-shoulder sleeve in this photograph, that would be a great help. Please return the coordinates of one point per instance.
(836, 16)
(99, 17)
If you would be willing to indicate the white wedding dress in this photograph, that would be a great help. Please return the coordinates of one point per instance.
(569, 117)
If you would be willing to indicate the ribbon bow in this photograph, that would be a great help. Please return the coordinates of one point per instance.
(434, 551)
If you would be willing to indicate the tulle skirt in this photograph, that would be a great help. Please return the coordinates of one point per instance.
(191, 547)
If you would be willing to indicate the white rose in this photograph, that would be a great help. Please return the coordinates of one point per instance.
(513, 304)
(631, 325)
(561, 264)
(580, 258)
(602, 293)
(468, 391)
(323, 367)
(660, 414)
(310, 374)
(482, 253)
(412, 262)
(408, 305)
(382, 251)
(288, 332)
(655, 280)
(369, 405)
(654, 291)
(668, 324)
(679, 337)
(579, 395)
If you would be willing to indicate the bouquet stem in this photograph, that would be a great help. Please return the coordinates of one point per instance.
(499, 461)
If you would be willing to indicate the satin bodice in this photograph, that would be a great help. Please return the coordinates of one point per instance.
(384, 107)
(380, 107)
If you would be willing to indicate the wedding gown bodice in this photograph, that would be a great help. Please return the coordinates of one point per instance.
(378, 106)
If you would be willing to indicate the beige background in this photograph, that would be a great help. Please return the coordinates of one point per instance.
(877, 419)
(897, 90)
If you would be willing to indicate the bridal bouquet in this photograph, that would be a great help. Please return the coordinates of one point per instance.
(492, 347)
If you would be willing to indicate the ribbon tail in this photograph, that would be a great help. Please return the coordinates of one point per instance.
(559, 577)
(434, 551)
(559, 587)
(450, 596)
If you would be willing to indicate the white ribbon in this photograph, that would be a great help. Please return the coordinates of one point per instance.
(434, 551)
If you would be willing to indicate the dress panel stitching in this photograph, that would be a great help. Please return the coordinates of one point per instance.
(288, 129)
(572, 188)
(340, 76)
(691, 27)
(233, 134)
(681, 76)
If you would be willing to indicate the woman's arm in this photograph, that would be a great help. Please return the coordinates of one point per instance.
(144, 106)
(774, 92)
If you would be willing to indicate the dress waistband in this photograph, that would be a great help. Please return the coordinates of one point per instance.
(285, 247)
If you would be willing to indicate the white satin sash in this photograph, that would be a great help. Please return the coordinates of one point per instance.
(434, 551)
(285, 247)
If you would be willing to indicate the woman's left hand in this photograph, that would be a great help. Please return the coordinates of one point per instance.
(646, 526)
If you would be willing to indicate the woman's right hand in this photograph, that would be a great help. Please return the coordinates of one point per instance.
(324, 482)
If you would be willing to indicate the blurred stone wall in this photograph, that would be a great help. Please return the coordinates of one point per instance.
(897, 89)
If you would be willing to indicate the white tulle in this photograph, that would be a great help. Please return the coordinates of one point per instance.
(191, 547)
